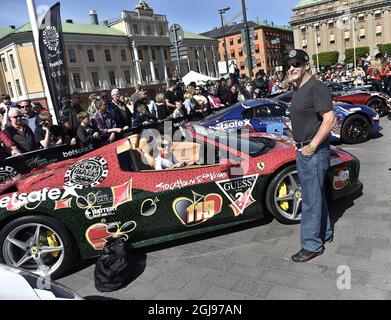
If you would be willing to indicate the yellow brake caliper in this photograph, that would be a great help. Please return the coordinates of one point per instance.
(52, 241)
(283, 191)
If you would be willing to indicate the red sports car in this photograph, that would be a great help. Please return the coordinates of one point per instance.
(378, 101)
(70, 209)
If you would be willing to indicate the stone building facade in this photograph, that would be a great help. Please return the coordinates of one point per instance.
(329, 25)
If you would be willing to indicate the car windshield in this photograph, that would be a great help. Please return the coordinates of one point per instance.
(253, 146)
(286, 96)
(220, 113)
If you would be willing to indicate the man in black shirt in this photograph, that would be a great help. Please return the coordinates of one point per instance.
(312, 121)
(171, 96)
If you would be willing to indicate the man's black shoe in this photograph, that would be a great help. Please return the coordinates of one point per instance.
(304, 255)
(329, 240)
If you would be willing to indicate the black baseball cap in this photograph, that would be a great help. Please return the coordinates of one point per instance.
(298, 55)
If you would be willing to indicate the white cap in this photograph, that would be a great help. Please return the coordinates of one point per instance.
(114, 91)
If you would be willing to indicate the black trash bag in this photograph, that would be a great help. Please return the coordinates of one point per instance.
(113, 269)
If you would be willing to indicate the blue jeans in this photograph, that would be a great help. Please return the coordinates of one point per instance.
(315, 221)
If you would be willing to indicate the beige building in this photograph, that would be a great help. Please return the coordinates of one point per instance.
(337, 25)
(134, 48)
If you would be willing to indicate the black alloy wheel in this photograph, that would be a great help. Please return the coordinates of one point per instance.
(355, 129)
(378, 105)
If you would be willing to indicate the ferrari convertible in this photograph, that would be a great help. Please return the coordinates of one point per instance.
(68, 210)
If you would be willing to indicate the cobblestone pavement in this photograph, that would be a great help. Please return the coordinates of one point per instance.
(253, 261)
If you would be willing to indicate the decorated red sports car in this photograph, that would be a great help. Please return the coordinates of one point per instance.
(69, 209)
(378, 101)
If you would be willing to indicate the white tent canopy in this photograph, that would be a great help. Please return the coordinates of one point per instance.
(196, 77)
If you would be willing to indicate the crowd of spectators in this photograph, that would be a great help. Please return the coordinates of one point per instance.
(27, 126)
(374, 72)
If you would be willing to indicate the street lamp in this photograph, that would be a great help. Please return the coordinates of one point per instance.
(221, 12)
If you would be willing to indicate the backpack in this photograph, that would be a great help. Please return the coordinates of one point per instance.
(113, 269)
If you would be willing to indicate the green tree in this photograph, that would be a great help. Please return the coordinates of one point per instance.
(326, 58)
(385, 48)
(360, 53)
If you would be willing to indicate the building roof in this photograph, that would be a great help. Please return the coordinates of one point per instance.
(229, 30)
(191, 35)
(304, 3)
(237, 28)
(5, 32)
(76, 28)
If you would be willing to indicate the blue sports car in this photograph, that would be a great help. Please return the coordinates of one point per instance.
(355, 123)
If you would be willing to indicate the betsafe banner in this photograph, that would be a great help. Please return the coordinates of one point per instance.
(51, 47)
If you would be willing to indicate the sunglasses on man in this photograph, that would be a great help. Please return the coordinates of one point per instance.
(296, 64)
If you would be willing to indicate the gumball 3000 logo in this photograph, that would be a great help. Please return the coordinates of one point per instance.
(51, 38)
(87, 173)
(7, 172)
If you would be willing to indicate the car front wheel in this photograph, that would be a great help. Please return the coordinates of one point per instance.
(355, 129)
(38, 244)
(283, 196)
(378, 105)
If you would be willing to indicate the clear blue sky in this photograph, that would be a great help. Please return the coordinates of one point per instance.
(194, 15)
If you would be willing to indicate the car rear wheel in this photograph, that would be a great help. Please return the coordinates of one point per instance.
(378, 105)
(355, 129)
(283, 196)
(41, 245)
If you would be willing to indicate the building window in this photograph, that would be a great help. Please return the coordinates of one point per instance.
(76, 80)
(316, 25)
(257, 48)
(90, 54)
(347, 35)
(196, 54)
(72, 55)
(18, 88)
(377, 14)
(232, 53)
(123, 55)
(135, 29)
(108, 55)
(302, 29)
(127, 76)
(4, 65)
(153, 54)
(231, 42)
(361, 17)
(95, 79)
(331, 23)
(362, 33)
(10, 91)
(318, 42)
(304, 44)
(165, 54)
(12, 61)
(255, 35)
(242, 65)
(112, 78)
(140, 54)
(332, 38)
(239, 40)
(149, 30)
(378, 30)
(240, 53)
(161, 31)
